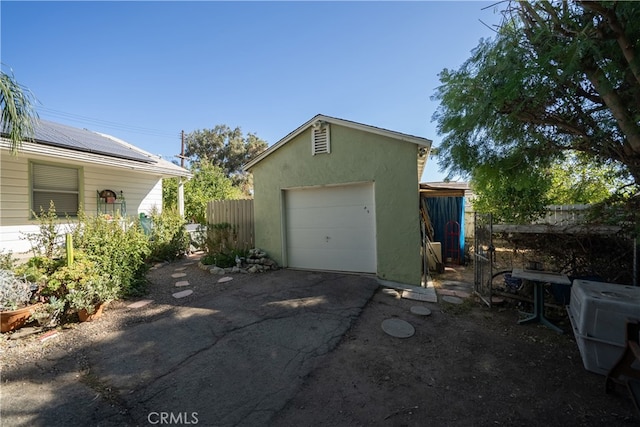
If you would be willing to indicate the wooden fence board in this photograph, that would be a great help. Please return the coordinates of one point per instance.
(238, 213)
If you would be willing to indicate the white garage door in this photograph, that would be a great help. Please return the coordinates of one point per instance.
(331, 228)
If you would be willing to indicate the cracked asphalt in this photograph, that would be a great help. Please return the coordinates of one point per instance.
(230, 354)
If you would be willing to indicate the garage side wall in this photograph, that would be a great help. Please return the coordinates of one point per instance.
(356, 156)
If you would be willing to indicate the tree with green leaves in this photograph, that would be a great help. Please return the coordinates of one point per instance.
(558, 79)
(209, 182)
(229, 149)
(16, 111)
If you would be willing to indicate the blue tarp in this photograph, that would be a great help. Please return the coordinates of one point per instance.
(443, 210)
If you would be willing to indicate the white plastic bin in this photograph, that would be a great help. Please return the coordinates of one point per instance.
(598, 313)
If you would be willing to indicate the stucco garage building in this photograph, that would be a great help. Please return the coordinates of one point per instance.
(343, 196)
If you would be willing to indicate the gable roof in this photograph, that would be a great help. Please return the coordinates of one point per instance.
(422, 142)
(66, 142)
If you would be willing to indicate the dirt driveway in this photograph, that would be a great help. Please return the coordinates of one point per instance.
(298, 348)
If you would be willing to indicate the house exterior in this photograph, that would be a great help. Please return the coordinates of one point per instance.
(338, 195)
(70, 166)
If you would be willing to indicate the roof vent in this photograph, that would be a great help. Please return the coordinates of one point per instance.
(320, 140)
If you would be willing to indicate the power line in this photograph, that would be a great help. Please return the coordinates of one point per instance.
(90, 121)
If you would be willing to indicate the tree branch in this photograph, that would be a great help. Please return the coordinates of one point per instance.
(611, 98)
(626, 46)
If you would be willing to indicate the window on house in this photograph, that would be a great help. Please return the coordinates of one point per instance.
(320, 143)
(58, 183)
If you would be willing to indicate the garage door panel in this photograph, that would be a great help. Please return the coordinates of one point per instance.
(337, 238)
(353, 195)
(331, 217)
(331, 259)
(331, 228)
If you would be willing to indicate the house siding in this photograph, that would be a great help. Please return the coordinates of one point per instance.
(142, 193)
(356, 156)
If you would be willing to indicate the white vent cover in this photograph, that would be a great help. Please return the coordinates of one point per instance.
(320, 139)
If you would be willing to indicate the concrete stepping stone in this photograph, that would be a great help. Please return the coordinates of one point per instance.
(180, 268)
(186, 264)
(420, 310)
(182, 283)
(225, 279)
(398, 328)
(454, 293)
(391, 292)
(182, 294)
(49, 335)
(140, 304)
(178, 275)
(452, 300)
(420, 296)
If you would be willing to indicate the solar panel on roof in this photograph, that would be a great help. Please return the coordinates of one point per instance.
(59, 135)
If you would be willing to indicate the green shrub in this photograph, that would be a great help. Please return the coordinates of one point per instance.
(7, 261)
(46, 242)
(169, 239)
(224, 259)
(118, 248)
(72, 277)
(38, 269)
(222, 245)
(221, 237)
(101, 289)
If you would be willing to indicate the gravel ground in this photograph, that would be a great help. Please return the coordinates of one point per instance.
(30, 344)
(466, 365)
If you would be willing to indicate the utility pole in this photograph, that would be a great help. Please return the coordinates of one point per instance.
(180, 183)
(182, 150)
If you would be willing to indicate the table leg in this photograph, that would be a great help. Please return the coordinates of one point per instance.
(535, 317)
(538, 309)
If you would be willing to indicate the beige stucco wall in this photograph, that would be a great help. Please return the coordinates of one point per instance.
(142, 193)
(356, 156)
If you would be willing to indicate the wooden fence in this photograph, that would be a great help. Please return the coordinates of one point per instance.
(564, 215)
(238, 213)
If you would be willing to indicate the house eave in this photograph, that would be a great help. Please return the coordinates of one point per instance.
(166, 170)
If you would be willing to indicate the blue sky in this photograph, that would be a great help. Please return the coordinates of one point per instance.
(144, 71)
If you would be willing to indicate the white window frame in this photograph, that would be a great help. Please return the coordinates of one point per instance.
(35, 187)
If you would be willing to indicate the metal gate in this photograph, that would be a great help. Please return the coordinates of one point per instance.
(483, 254)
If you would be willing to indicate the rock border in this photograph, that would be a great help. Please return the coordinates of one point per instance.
(256, 262)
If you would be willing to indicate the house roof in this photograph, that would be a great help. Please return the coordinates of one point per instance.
(422, 142)
(445, 189)
(66, 142)
(59, 135)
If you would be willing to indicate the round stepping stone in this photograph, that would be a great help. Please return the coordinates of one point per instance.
(182, 283)
(178, 275)
(183, 294)
(451, 299)
(390, 292)
(420, 310)
(398, 328)
(225, 279)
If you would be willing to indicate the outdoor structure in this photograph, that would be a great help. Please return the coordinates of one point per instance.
(77, 169)
(448, 206)
(338, 195)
